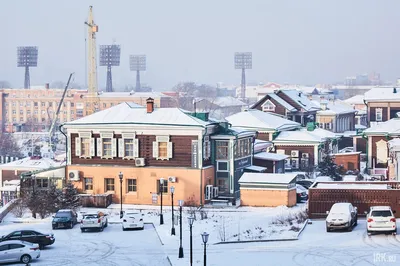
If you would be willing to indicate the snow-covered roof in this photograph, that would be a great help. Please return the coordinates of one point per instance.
(301, 99)
(124, 113)
(281, 101)
(266, 178)
(303, 135)
(391, 127)
(394, 143)
(10, 188)
(227, 101)
(382, 94)
(256, 168)
(126, 95)
(260, 145)
(256, 119)
(335, 107)
(357, 99)
(270, 156)
(351, 186)
(30, 164)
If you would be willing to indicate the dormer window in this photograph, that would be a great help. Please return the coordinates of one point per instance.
(268, 106)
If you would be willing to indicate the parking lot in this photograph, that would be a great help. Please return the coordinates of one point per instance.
(110, 247)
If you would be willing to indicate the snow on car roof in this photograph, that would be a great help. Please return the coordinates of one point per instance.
(340, 207)
(381, 208)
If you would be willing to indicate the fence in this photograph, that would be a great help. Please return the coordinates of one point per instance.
(98, 201)
(322, 199)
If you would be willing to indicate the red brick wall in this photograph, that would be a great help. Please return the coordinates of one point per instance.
(8, 175)
(350, 161)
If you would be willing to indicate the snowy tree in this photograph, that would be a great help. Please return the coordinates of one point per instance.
(54, 198)
(328, 167)
(8, 146)
(70, 197)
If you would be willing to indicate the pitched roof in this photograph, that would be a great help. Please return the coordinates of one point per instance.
(256, 119)
(391, 127)
(301, 99)
(357, 99)
(270, 156)
(31, 164)
(277, 99)
(128, 113)
(380, 94)
(316, 136)
(265, 178)
(335, 107)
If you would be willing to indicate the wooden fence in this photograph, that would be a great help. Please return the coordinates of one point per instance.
(98, 201)
(321, 199)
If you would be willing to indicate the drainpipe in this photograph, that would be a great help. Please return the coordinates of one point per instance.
(66, 151)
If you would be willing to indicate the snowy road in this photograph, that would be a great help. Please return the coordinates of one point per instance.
(110, 247)
(316, 247)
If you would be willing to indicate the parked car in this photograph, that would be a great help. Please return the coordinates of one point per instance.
(17, 250)
(341, 216)
(97, 221)
(381, 219)
(302, 193)
(30, 236)
(306, 183)
(132, 220)
(64, 219)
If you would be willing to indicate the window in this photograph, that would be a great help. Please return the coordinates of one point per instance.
(85, 147)
(35, 112)
(15, 246)
(28, 104)
(13, 104)
(50, 104)
(88, 183)
(21, 104)
(378, 114)
(222, 150)
(162, 148)
(107, 147)
(43, 104)
(268, 106)
(131, 185)
(109, 184)
(128, 147)
(72, 104)
(21, 119)
(163, 188)
(14, 112)
(3, 247)
(104, 105)
(42, 182)
(222, 185)
(21, 112)
(72, 112)
(222, 166)
(35, 104)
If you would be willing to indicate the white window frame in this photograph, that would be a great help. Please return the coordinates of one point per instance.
(207, 148)
(268, 106)
(380, 112)
(78, 143)
(121, 146)
(100, 151)
(169, 147)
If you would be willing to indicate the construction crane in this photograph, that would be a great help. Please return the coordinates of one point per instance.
(92, 98)
(58, 112)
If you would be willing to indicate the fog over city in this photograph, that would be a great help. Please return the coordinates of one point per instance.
(304, 42)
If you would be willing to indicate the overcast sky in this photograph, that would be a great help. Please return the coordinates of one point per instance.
(305, 42)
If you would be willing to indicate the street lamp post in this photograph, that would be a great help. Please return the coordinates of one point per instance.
(191, 220)
(180, 229)
(121, 176)
(34, 182)
(161, 192)
(172, 201)
(204, 236)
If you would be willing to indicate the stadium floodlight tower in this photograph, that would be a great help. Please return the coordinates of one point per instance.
(137, 63)
(243, 61)
(109, 56)
(27, 57)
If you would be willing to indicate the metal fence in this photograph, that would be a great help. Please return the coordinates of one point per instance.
(322, 199)
(98, 201)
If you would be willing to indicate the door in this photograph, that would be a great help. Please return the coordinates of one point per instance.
(4, 257)
(30, 236)
(17, 235)
(15, 251)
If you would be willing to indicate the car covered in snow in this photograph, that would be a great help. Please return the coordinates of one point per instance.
(97, 221)
(341, 216)
(381, 219)
(302, 193)
(64, 219)
(132, 220)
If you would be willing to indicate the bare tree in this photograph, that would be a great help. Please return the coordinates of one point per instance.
(8, 146)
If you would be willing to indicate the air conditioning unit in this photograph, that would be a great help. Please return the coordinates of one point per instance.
(304, 163)
(215, 192)
(305, 156)
(139, 162)
(73, 175)
(287, 164)
(172, 179)
(294, 154)
(209, 192)
(295, 163)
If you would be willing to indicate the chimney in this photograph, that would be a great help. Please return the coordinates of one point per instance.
(394, 90)
(47, 86)
(150, 105)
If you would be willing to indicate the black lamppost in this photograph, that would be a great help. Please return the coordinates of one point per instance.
(161, 192)
(180, 229)
(172, 201)
(204, 236)
(34, 182)
(121, 176)
(191, 220)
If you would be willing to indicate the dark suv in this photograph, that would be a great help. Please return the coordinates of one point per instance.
(64, 219)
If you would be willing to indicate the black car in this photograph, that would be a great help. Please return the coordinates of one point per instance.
(305, 183)
(30, 236)
(64, 219)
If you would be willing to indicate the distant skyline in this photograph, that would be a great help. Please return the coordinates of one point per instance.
(302, 42)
